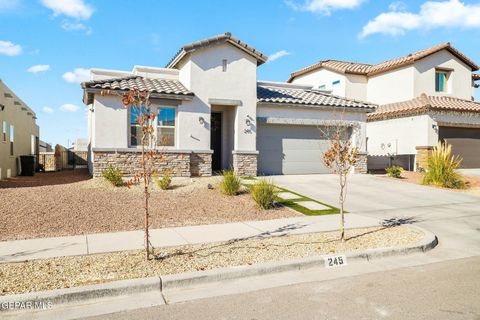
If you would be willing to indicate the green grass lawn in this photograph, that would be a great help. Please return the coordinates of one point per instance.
(292, 203)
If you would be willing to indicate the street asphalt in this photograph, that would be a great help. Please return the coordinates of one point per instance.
(446, 290)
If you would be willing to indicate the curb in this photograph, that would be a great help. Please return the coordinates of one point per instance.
(162, 283)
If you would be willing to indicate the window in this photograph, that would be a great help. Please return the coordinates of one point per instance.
(164, 125)
(224, 65)
(12, 135)
(335, 82)
(4, 130)
(322, 87)
(441, 81)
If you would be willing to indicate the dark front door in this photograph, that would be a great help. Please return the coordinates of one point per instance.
(216, 140)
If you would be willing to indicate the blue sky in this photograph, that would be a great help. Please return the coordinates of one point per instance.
(47, 46)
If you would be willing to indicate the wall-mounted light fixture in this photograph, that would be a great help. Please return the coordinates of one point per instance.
(2, 107)
(248, 122)
(434, 127)
(201, 120)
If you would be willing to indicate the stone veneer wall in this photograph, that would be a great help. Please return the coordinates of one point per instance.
(201, 164)
(180, 164)
(361, 165)
(421, 160)
(245, 164)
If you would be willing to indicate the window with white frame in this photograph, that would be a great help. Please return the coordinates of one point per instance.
(441, 80)
(163, 124)
(12, 138)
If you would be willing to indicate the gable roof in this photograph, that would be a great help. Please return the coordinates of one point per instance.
(278, 94)
(372, 69)
(422, 104)
(222, 38)
(158, 88)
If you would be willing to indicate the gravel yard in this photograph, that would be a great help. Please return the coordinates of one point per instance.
(70, 203)
(83, 270)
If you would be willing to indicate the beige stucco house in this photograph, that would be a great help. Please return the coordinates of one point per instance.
(18, 132)
(216, 115)
(423, 97)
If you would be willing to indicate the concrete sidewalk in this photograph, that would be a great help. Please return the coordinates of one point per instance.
(20, 250)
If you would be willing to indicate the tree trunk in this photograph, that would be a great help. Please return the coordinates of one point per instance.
(145, 198)
(342, 200)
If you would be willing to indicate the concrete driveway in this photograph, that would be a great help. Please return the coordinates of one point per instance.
(453, 216)
(370, 193)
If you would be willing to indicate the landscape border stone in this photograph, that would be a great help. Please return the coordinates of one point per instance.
(162, 283)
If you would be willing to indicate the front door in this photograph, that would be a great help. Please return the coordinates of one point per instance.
(216, 140)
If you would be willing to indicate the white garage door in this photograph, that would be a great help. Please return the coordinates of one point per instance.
(290, 149)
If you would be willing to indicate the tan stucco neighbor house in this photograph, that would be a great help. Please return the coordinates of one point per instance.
(19, 132)
(423, 97)
(216, 115)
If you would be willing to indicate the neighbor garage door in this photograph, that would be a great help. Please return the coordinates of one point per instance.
(290, 149)
(465, 143)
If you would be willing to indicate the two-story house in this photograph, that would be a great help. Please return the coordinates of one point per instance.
(19, 132)
(214, 115)
(423, 98)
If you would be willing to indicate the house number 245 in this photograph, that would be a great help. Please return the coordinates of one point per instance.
(335, 261)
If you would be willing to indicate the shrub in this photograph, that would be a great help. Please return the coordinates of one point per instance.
(395, 171)
(230, 184)
(165, 181)
(113, 175)
(441, 168)
(263, 193)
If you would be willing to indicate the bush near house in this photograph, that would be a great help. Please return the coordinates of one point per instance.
(165, 181)
(230, 184)
(114, 176)
(394, 171)
(264, 194)
(441, 168)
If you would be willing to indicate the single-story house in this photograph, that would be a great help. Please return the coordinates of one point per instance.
(215, 115)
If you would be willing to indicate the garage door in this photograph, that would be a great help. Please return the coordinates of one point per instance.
(290, 149)
(465, 143)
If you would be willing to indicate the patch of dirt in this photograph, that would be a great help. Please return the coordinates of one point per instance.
(69, 272)
(71, 203)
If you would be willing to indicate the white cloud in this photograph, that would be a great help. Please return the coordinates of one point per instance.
(278, 55)
(77, 76)
(324, 6)
(38, 68)
(68, 107)
(10, 49)
(76, 26)
(77, 9)
(432, 14)
(47, 110)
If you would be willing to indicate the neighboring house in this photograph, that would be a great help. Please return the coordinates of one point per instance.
(80, 144)
(215, 115)
(18, 132)
(45, 146)
(423, 98)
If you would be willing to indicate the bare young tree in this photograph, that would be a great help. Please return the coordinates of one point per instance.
(139, 104)
(341, 156)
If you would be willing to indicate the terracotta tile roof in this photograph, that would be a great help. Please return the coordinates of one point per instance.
(287, 95)
(222, 38)
(423, 103)
(157, 87)
(368, 70)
